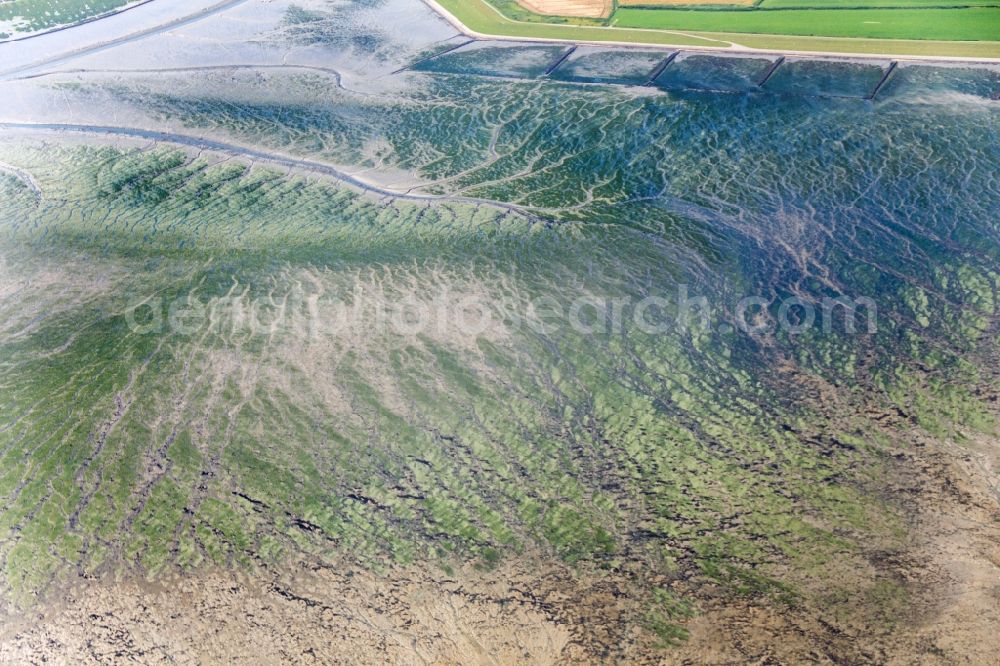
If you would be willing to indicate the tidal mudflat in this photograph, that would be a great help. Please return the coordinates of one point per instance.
(327, 336)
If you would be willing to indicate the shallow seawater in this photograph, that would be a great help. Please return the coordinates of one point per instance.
(923, 82)
(496, 59)
(832, 78)
(720, 73)
(601, 65)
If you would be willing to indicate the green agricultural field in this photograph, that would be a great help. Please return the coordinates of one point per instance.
(956, 24)
(921, 27)
(870, 4)
(26, 16)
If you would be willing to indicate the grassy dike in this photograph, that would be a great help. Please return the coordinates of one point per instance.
(480, 17)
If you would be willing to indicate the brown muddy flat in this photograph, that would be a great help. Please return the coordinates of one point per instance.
(519, 614)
